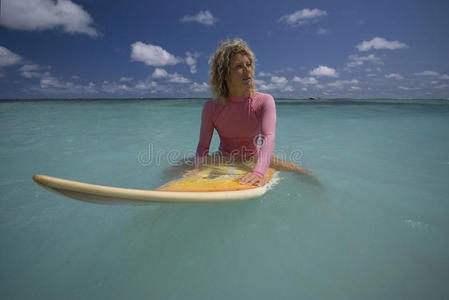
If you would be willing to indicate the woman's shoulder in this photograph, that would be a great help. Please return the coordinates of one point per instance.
(263, 97)
(211, 105)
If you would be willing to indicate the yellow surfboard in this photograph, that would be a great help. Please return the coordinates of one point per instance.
(213, 179)
(211, 183)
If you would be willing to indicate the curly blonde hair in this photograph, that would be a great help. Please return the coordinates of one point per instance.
(220, 67)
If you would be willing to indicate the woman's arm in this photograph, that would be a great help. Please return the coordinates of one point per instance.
(268, 131)
(282, 165)
(206, 132)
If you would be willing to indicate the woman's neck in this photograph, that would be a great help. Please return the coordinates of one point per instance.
(239, 93)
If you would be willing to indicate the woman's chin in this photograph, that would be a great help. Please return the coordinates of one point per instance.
(246, 86)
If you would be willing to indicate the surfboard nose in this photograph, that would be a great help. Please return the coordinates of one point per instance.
(37, 178)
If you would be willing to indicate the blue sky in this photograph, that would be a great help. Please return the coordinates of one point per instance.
(134, 48)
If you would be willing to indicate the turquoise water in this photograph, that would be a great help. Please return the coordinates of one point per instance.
(378, 228)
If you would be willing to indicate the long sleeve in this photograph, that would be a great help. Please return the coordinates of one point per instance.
(206, 131)
(268, 131)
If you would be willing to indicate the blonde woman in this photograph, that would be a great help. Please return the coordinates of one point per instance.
(239, 113)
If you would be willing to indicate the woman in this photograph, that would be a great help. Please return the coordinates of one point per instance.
(239, 113)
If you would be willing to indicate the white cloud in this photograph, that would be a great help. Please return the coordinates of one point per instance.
(302, 17)
(146, 85)
(203, 17)
(276, 83)
(57, 86)
(48, 81)
(279, 80)
(53, 86)
(152, 55)
(284, 70)
(159, 73)
(404, 88)
(394, 76)
(305, 80)
(444, 76)
(191, 60)
(126, 79)
(442, 86)
(199, 88)
(288, 89)
(115, 88)
(341, 83)
(46, 14)
(355, 60)
(8, 58)
(322, 31)
(323, 71)
(141, 87)
(50, 85)
(427, 73)
(380, 43)
(33, 71)
(260, 82)
(264, 74)
(176, 78)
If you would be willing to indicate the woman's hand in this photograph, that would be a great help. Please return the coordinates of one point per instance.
(251, 179)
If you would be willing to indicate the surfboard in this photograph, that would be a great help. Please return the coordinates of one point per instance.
(211, 183)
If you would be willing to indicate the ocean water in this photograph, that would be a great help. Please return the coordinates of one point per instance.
(376, 228)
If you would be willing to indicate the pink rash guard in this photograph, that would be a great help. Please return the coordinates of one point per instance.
(239, 123)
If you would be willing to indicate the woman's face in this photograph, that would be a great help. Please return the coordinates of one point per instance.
(240, 75)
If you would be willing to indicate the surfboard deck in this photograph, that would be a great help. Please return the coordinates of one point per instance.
(209, 184)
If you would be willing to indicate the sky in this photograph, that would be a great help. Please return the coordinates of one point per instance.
(151, 49)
